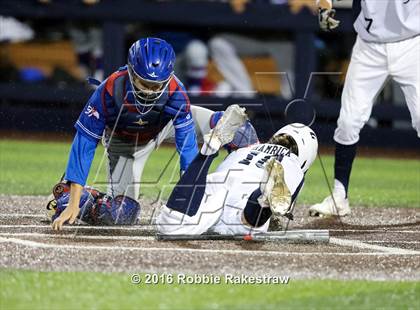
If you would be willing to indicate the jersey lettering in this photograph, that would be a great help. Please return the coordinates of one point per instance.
(258, 152)
(272, 149)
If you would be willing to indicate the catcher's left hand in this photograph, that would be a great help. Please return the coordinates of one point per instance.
(72, 210)
(69, 214)
(326, 19)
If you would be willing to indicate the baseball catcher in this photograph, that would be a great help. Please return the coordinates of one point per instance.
(133, 111)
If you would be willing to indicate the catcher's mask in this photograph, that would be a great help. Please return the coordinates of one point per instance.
(150, 67)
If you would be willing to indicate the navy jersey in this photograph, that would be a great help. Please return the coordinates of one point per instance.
(111, 107)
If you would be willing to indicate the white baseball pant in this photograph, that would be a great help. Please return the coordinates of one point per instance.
(371, 65)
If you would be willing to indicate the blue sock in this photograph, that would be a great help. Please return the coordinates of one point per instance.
(189, 191)
(254, 214)
(344, 156)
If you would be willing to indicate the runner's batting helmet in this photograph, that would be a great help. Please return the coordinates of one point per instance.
(306, 141)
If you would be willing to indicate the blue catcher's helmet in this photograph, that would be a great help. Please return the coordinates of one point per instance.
(150, 68)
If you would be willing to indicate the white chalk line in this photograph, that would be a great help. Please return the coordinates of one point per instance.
(35, 244)
(13, 215)
(83, 227)
(389, 241)
(90, 237)
(135, 238)
(363, 245)
(148, 226)
(376, 230)
(20, 215)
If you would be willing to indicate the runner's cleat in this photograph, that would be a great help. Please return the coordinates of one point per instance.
(224, 131)
(275, 193)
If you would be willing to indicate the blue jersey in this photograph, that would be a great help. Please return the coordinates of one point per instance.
(111, 107)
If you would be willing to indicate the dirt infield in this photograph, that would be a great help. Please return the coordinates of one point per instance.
(374, 243)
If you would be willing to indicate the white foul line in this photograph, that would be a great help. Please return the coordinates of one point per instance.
(81, 227)
(35, 244)
(73, 236)
(148, 226)
(19, 215)
(134, 238)
(376, 230)
(389, 241)
(363, 245)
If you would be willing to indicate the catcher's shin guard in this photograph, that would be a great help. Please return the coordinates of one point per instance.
(122, 210)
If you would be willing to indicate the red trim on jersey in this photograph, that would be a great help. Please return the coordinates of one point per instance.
(187, 108)
(130, 106)
(174, 86)
(109, 85)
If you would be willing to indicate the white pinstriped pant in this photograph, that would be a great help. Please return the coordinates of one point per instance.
(371, 65)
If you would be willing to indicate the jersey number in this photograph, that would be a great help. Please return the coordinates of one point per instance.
(247, 160)
(369, 21)
(260, 163)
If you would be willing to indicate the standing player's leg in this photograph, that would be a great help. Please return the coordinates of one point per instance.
(405, 70)
(366, 75)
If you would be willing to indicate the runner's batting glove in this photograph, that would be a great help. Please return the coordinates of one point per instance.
(326, 19)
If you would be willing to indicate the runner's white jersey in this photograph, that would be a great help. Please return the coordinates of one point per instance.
(241, 174)
(250, 160)
(228, 190)
(386, 21)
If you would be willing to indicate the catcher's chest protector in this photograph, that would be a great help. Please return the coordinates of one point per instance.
(131, 123)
